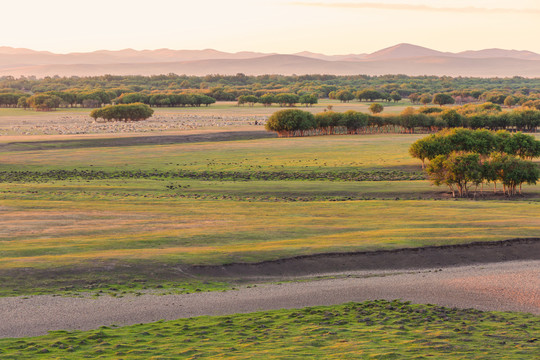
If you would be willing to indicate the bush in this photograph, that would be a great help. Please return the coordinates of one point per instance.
(287, 122)
(123, 112)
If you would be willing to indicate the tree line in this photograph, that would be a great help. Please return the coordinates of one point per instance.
(418, 89)
(462, 158)
(166, 100)
(315, 83)
(285, 99)
(295, 122)
(97, 98)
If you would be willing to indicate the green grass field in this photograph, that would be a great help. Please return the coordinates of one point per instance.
(331, 153)
(370, 330)
(241, 201)
(52, 224)
(95, 216)
(137, 226)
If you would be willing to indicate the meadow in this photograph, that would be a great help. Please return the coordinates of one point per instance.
(130, 213)
(369, 330)
(87, 204)
(342, 153)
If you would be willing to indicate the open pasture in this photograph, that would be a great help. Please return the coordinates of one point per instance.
(373, 329)
(77, 223)
(140, 203)
(329, 153)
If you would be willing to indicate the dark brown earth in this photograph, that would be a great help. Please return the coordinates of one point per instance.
(410, 258)
(289, 268)
(207, 136)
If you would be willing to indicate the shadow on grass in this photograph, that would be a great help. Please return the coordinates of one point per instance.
(136, 140)
(153, 274)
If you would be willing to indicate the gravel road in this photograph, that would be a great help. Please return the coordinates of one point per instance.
(504, 286)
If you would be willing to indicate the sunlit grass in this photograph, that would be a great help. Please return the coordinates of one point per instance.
(80, 223)
(47, 225)
(370, 330)
(331, 153)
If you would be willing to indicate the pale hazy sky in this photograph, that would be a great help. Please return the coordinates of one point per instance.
(331, 27)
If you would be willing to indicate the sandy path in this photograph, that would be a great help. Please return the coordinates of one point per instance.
(508, 286)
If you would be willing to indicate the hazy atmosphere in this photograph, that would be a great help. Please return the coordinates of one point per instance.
(331, 27)
(270, 179)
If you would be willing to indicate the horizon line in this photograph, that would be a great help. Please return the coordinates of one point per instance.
(259, 52)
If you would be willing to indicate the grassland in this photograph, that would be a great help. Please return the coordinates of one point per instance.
(70, 206)
(47, 225)
(338, 153)
(93, 215)
(370, 330)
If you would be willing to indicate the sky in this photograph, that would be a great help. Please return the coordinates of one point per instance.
(281, 26)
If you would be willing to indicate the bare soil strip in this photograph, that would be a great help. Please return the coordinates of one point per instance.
(508, 286)
(410, 258)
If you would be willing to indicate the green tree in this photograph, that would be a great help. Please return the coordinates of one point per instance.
(287, 99)
(426, 99)
(510, 101)
(376, 108)
(443, 99)
(421, 149)
(247, 99)
(414, 98)
(458, 171)
(23, 102)
(308, 99)
(368, 94)
(267, 99)
(287, 122)
(354, 121)
(452, 118)
(126, 98)
(394, 95)
(344, 96)
(513, 172)
(44, 102)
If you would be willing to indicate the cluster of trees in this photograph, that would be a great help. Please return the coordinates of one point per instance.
(481, 116)
(87, 99)
(40, 102)
(164, 99)
(365, 95)
(322, 84)
(96, 98)
(123, 112)
(419, 89)
(293, 122)
(395, 96)
(10, 99)
(461, 158)
(285, 99)
(489, 116)
(427, 119)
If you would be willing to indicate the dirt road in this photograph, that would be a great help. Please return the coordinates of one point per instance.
(504, 286)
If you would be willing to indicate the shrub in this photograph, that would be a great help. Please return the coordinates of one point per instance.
(123, 112)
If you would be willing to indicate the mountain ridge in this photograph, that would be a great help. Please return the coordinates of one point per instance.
(402, 58)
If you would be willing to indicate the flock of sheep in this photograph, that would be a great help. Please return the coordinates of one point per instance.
(83, 124)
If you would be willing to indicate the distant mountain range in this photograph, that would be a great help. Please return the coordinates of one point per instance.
(399, 59)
